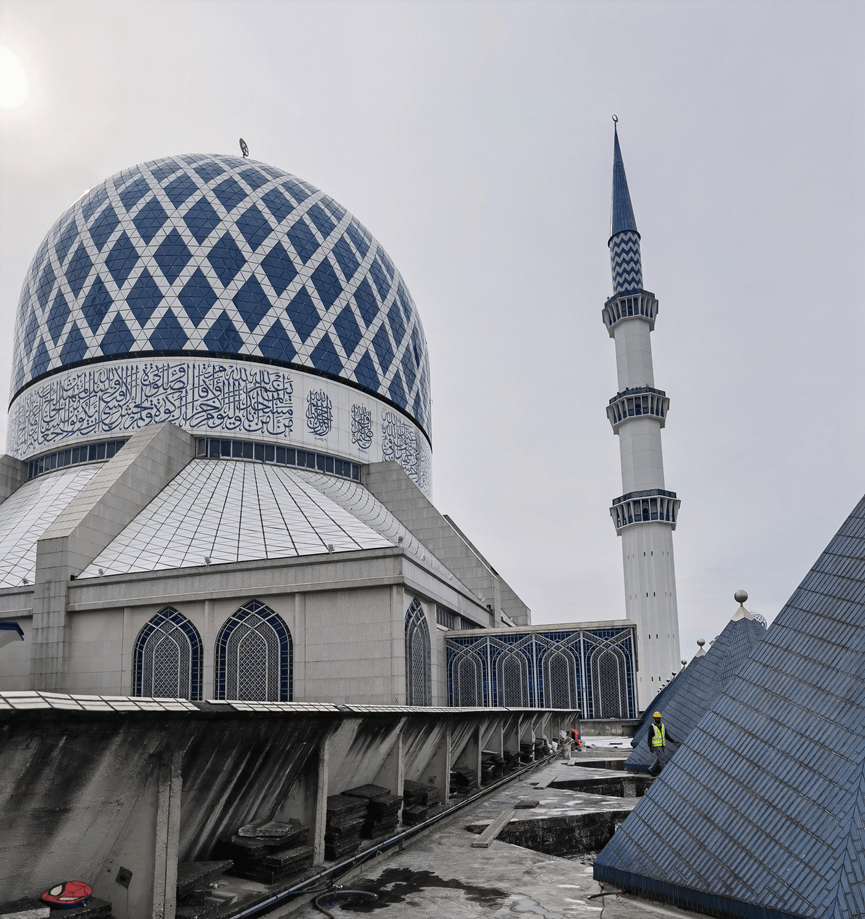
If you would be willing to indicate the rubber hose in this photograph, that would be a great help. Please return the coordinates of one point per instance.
(340, 893)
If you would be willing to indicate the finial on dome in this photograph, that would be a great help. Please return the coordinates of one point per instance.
(243, 148)
(702, 652)
(741, 613)
(740, 596)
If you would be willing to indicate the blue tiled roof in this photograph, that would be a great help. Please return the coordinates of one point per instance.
(217, 254)
(622, 213)
(761, 813)
(684, 702)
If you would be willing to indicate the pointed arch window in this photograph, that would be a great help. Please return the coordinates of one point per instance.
(418, 677)
(609, 683)
(167, 658)
(254, 656)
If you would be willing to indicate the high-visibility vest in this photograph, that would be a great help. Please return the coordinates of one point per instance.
(659, 735)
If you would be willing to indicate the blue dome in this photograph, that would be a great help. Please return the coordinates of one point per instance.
(221, 256)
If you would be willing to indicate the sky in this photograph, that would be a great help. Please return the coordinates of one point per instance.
(474, 140)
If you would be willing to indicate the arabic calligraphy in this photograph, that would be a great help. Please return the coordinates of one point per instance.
(401, 443)
(119, 398)
(361, 426)
(319, 412)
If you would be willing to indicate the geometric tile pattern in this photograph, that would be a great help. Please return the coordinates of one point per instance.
(587, 669)
(695, 689)
(761, 812)
(234, 511)
(219, 255)
(27, 513)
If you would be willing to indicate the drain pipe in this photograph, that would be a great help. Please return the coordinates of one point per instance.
(261, 909)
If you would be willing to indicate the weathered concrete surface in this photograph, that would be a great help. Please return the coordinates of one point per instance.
(440, 876)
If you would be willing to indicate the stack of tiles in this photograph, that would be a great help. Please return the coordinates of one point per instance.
(463, 781)
(345, 817)
(512, 761)
(382, 814)
(492, 767)
(269, 852)
(419, 800)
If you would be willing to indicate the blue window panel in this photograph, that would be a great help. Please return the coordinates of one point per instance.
(335, 210)
(383, 348)
(326, 283)
(149, 220)
(75, 348)
(46, 285)
(96, 304)
(144, 297)
(403, 297)
(277, 204)
(121, 259)
(359, 237)
(408, 370)
(197, 297)
(165, 169)
(209, 171)
(277, 345)
(397, 326)
(68, 235)
(172, 256)
(78, 269)
(252, 303)
(303, 314)
(382, 282)
(386, 264)
(230, 193)
(93, 201)
(365, 373)
(348, 331)
(57, 317)
(31, 332)
(325, 358)
(296, 190)
(270, 171)
(254, 226)
(118, 339)
(223, 337)
(226, 259)
(254, 178)
(417, 348)
(132, 194)
(303, 240)
(397, 390)
(40, 360)
(179, 189)
(417, 409)
(346, 258)
(168, 334)
(279, 268)
(201, 219)
(102, 228)
(323, 223)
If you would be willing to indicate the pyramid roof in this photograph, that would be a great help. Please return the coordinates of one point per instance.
(761, 813)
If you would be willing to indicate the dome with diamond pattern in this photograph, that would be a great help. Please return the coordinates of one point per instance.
(228, 258)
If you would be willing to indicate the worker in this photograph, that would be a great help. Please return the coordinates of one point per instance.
(657, 739)
(576, 739)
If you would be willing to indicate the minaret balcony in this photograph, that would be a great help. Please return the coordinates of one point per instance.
(637, 402)
(635, 304)
(652, 506)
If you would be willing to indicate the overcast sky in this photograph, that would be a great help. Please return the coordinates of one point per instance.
(474, 140)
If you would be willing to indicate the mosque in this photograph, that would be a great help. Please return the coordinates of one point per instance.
(218, 480)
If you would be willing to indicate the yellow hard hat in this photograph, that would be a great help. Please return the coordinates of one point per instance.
(656, 715)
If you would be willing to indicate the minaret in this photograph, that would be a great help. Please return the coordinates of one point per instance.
(645, 515)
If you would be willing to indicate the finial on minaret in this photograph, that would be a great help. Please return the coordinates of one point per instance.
(741, 613)
(624, 241)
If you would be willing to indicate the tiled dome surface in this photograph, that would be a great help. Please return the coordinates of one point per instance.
(218, 255)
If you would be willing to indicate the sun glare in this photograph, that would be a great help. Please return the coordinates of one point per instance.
(13, 80)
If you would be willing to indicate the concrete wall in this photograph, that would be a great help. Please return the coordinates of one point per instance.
(13, 474)
(85, 790)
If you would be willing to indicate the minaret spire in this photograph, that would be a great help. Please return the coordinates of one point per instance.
(645, 514)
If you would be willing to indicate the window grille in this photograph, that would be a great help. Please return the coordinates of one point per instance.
(560, 680)
(512, 674)
(609, 683)
(254, 656)
(468, 688)
(167, 658)
(446, 618)
(418, 676)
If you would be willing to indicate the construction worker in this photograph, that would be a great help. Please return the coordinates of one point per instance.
(657, 739)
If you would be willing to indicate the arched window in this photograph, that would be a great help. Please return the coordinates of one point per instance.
(560, 680)
(467, 682)
(512, 680)
(418, 678)
(609, 683)
(254, 656)
(166, 662)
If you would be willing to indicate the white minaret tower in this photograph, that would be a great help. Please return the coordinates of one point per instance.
(646, 513)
